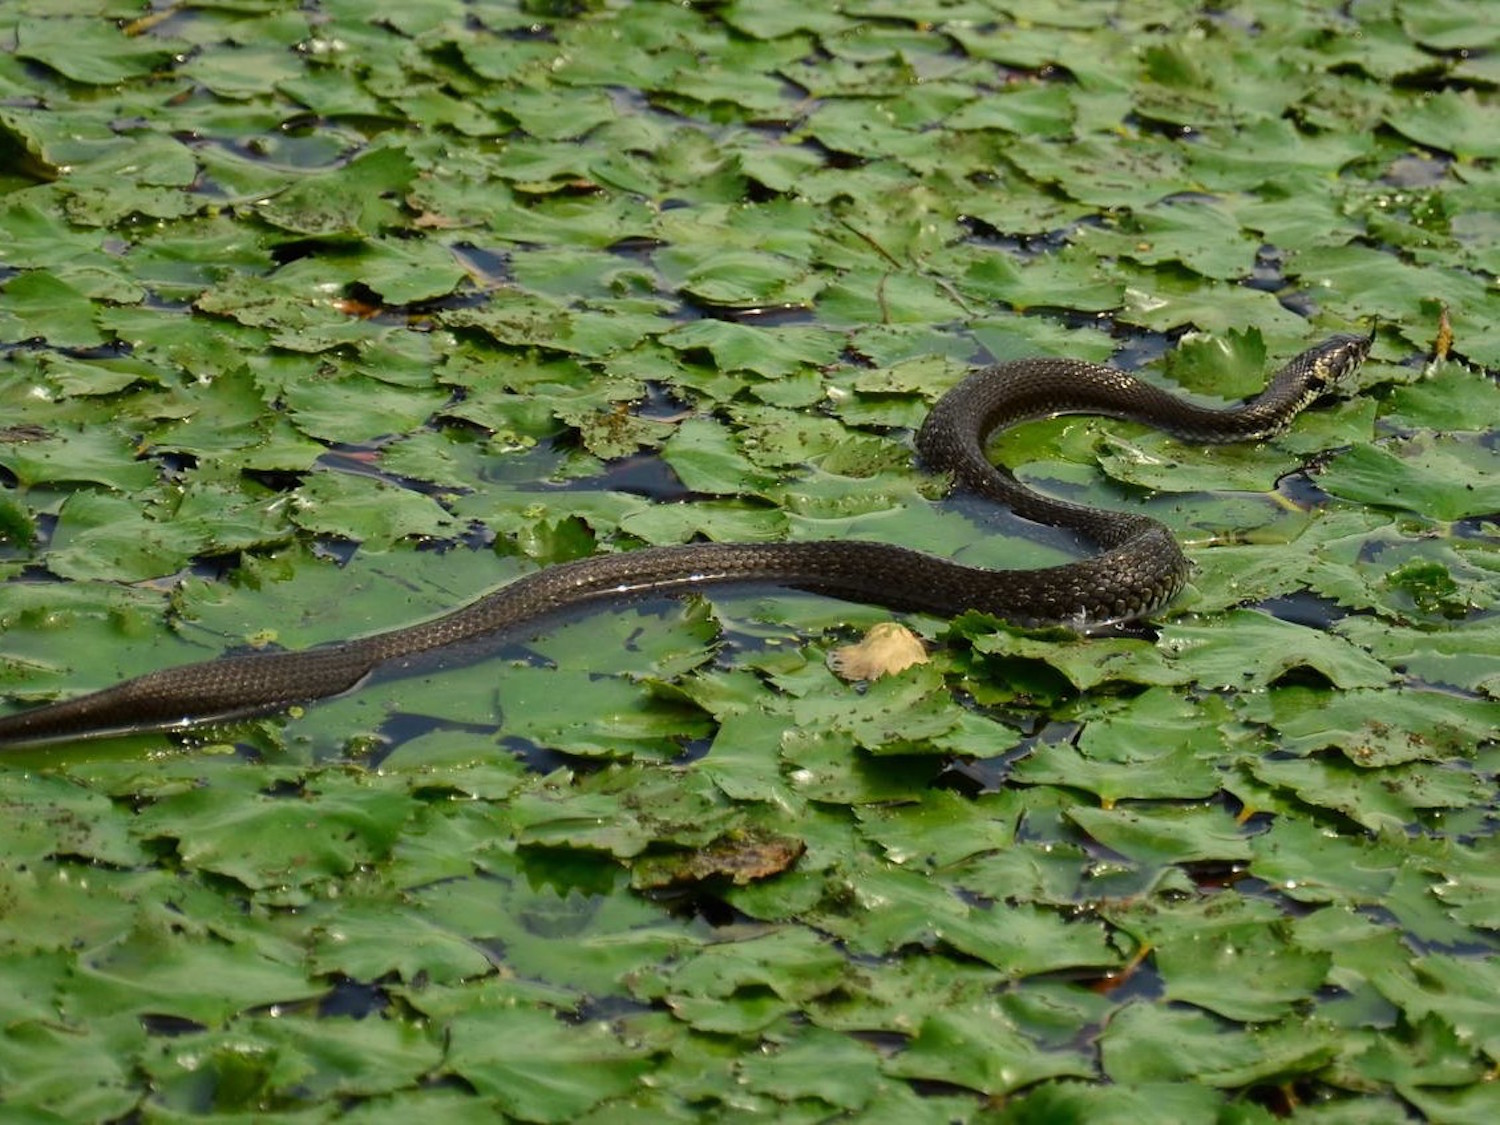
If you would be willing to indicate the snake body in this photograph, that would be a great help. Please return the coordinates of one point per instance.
(1139, 569)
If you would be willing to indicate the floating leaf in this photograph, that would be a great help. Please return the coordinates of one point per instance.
(1149, 1043)
(1243, 971)
(298, 837)
(38, 304)
(1450, 120)
(1274, 648)
(91, 50)
(1183, 836)
(369, 511)
(97, 455)
(978, 1048)
(344, 202)
(537, 1067)
(1405, 725)
(1446, 478)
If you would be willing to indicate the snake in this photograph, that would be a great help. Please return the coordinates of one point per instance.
(1138, 569)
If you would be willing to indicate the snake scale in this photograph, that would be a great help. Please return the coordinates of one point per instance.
(1138, 570)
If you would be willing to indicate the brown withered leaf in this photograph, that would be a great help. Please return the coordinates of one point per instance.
(887, 648)
(740, 857)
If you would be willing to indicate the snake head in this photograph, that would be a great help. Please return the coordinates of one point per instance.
(1334, 360)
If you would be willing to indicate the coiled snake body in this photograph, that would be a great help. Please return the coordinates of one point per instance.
(1139, 569)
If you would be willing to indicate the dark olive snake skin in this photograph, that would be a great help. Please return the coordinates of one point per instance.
(1139, 570)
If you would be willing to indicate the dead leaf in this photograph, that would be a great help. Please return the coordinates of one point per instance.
(888, 648)
(741, 857)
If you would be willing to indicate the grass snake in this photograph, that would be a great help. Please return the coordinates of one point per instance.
(1138, 570)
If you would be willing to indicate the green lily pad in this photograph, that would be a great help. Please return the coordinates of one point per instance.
(42, 305)
(1146, 1043)
(91, 50)
(1274, 647)
(1449, 120)
(1446, 478)
(1244, 972)
(978, 1049)
(538, 1068)
(1182, 836)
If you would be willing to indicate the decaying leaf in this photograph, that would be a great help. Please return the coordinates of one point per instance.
(740, 857)
(887, 648)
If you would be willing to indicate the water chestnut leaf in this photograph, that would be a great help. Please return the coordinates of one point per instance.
(39, 304)
(342, 203)
(1187, 835)
(978, 1049)
(1175, 774)
(1151, 1043)
(368, 511)
(1408, 725)
(1243, 972)
(91, 51)
(1446, 478)
(538, 1068)
(1274, 654)
(1450, 121)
